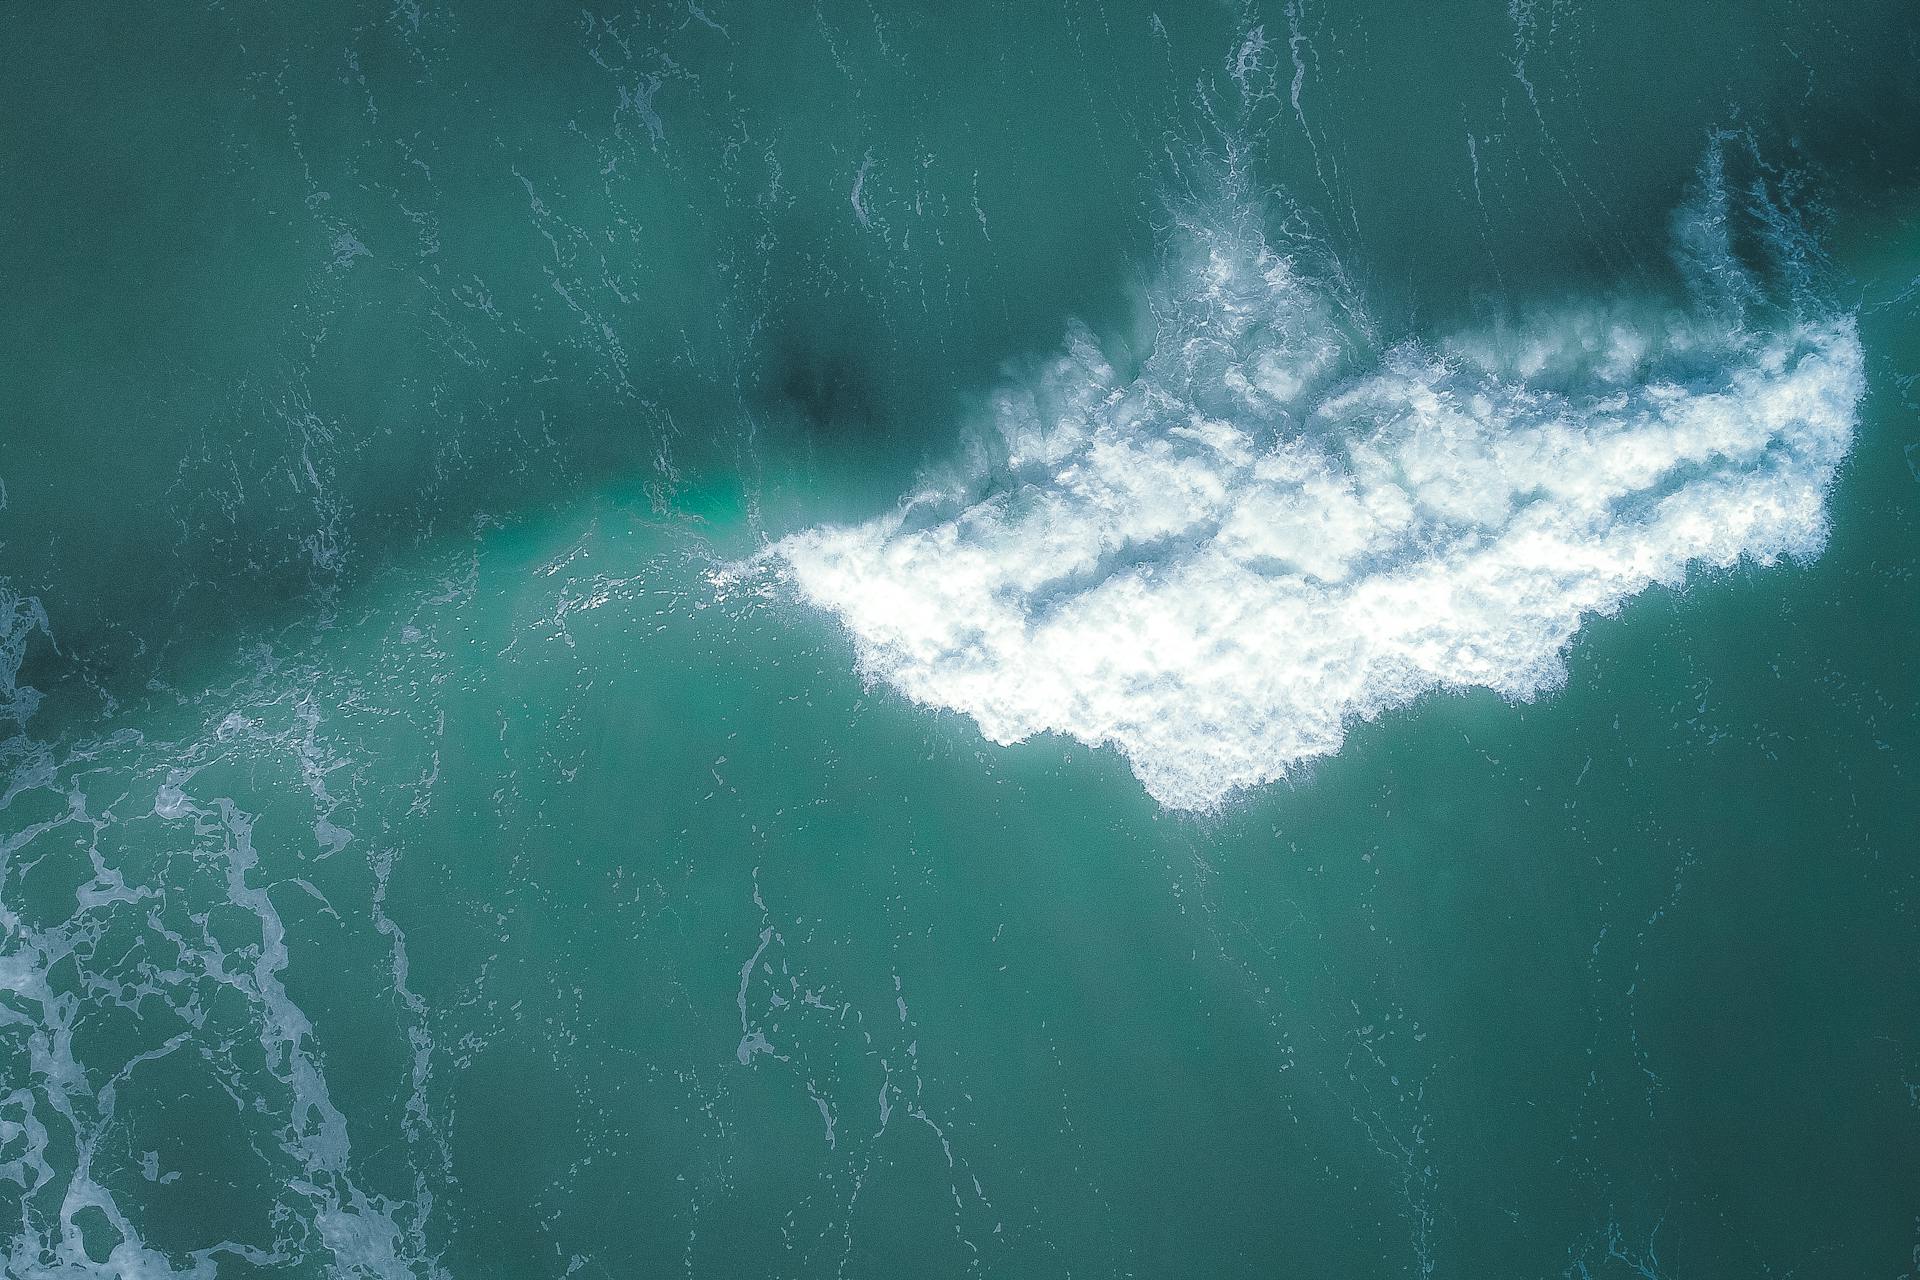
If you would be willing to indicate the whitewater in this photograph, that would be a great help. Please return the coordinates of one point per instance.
(1278, 526)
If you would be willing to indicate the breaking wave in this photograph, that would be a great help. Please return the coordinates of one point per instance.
(1277, 526)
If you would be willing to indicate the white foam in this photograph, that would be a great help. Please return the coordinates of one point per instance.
(1275, 529)
(59, 1119)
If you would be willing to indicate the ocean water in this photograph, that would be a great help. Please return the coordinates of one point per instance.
(1003, 639)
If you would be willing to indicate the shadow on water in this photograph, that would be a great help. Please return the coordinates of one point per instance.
(357, 284)
(354, 285)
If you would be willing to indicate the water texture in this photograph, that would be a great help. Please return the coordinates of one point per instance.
(991, 640)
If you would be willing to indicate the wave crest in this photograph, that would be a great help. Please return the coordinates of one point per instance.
(1275, 528)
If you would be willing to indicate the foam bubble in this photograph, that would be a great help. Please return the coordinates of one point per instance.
(1276, 528)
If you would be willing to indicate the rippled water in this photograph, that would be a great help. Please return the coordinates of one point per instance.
(1017, 640)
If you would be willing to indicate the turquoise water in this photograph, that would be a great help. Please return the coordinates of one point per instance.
(1019, 640)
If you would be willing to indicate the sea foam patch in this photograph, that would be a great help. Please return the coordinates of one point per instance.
(1275, 528)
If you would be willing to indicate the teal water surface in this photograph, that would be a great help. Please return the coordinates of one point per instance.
(497, 784)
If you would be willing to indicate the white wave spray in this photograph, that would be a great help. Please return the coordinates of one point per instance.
(1276, 528)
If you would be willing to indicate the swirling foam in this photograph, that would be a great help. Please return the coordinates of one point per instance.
(1275, 529)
